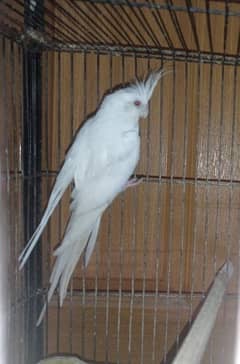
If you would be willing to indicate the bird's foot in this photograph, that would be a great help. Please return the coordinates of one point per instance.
(133, 182)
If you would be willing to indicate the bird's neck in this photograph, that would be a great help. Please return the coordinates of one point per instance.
(121, 121)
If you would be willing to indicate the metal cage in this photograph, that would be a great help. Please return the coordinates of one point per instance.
(161, 243)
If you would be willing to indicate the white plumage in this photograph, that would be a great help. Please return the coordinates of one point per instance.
(100, 161)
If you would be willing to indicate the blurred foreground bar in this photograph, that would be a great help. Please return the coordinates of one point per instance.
(195, 343)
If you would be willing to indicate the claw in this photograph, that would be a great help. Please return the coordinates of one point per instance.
(133, 182)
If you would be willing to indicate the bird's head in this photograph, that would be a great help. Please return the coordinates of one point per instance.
(134, 98)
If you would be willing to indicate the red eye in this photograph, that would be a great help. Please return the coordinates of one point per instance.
(137, 103)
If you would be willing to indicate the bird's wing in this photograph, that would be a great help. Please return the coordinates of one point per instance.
(64, 178)
(81, 161)
(86, 162)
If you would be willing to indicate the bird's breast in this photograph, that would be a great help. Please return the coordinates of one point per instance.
(111, 164)
(124, 155)
(126, 146)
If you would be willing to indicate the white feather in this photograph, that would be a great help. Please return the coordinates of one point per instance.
(92, 242)
(63, 179)
(101, 159)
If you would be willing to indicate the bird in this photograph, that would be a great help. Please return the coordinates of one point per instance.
(100, 163)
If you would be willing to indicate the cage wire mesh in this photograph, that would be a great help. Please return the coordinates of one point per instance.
(160, 243)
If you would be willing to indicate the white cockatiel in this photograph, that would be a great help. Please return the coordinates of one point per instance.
(100, 161)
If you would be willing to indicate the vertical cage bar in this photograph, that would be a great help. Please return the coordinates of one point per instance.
(58, 158)
(19, 188)
(13, 186)
(4, 188)
(121, 252)
(221, 153)
(159, 230)
(46, 156)
(146, 209)
(96, 289)
(32, 188)
(171, 213)
(32, 184)
(133, 264)
(184, 198)
(207, 198)
(207, 193)
(195, 197)
(72, 101)
(109, 238)
(83, 303)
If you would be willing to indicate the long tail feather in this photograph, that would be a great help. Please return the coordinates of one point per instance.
(91, 242)
(63, 264)
(69, 268)
(63, 180)
(81, 230)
